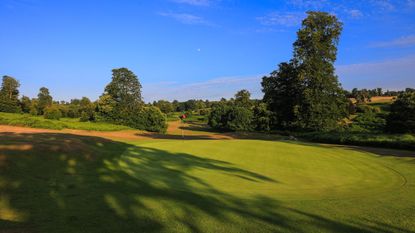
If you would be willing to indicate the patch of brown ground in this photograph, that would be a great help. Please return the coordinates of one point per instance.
(192, 131)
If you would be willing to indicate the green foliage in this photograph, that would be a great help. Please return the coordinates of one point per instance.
(398, 141)
(9, 95)
(305, 93)
(150, 119)
(122, 103)
(164, 106)
(402, 116)
(52, 113)
(124, 91)
(40, 122)
(239, 119)
(87, 110)
(243, 99)
(9, 88)
(230, 117)
(263, 118)
(44, 100)
(25, 104)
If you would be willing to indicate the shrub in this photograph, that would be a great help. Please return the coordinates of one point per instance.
(240, 119)
(150, 119)
(233, 118)
(10, 106)
(402, 116)
(363, 108)
(52, 113)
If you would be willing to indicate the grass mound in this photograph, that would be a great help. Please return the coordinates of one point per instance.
(67, 183)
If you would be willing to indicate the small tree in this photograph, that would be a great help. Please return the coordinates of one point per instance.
(243, 99)
(44, 100)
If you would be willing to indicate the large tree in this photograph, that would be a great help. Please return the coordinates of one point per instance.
(125, 90)
(9, 94)
(307, 85)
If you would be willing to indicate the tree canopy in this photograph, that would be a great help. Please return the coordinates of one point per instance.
(305, 93)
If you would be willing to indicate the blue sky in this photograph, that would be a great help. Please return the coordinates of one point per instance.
(183, 49)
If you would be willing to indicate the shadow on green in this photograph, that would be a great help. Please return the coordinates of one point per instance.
(69, 183)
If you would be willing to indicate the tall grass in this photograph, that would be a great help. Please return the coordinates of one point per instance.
(64, 123)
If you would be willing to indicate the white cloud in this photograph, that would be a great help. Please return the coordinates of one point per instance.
(194, 2)
(287, 19)
(405, 41)
(388, 74)
(213, 89)
(187, 18)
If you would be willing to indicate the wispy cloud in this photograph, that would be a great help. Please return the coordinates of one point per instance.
(187, 18)
(194, 2)
(405, 41)
(213, 89)
(389, 74)
(383, 5)
(355, 14)
(287, 19)
(309, 4)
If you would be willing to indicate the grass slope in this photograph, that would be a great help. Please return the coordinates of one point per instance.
(68, 183)
(64, 123)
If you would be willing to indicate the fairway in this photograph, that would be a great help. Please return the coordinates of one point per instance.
(52, 182)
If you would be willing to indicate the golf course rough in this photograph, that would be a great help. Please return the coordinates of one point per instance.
(201, 186)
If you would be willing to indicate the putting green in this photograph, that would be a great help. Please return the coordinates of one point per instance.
(282, 170)
(66, 183)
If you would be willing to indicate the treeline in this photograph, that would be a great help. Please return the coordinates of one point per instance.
(120, 103)
(365, 95)
(304, 94)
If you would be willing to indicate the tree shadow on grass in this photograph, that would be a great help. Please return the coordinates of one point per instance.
(69, 183)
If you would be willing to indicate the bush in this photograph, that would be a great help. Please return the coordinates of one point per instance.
(402, 116)
(10, 106)
(398, 141)
(87, 116)
(52, 113)
(363, 108)
(150, 119)
(232, 118)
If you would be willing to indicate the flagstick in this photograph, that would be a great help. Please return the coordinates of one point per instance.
(182, 130)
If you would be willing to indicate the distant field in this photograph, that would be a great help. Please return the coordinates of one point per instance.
(66, 183)
(379, 99)
(64, 123)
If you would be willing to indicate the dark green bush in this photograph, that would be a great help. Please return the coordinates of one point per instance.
(150, 119)
(402, 116)
(52, 113)
(10, 106)
(226, 117)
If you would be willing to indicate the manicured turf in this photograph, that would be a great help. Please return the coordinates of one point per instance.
(67, 183)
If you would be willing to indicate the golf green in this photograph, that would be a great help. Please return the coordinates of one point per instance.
(68, 183)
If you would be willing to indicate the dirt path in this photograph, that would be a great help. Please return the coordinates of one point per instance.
(173, 132)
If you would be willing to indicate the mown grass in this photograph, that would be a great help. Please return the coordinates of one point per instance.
(67, 183)
(64, 123)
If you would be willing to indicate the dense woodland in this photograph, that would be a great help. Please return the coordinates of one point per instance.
(302, 95)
